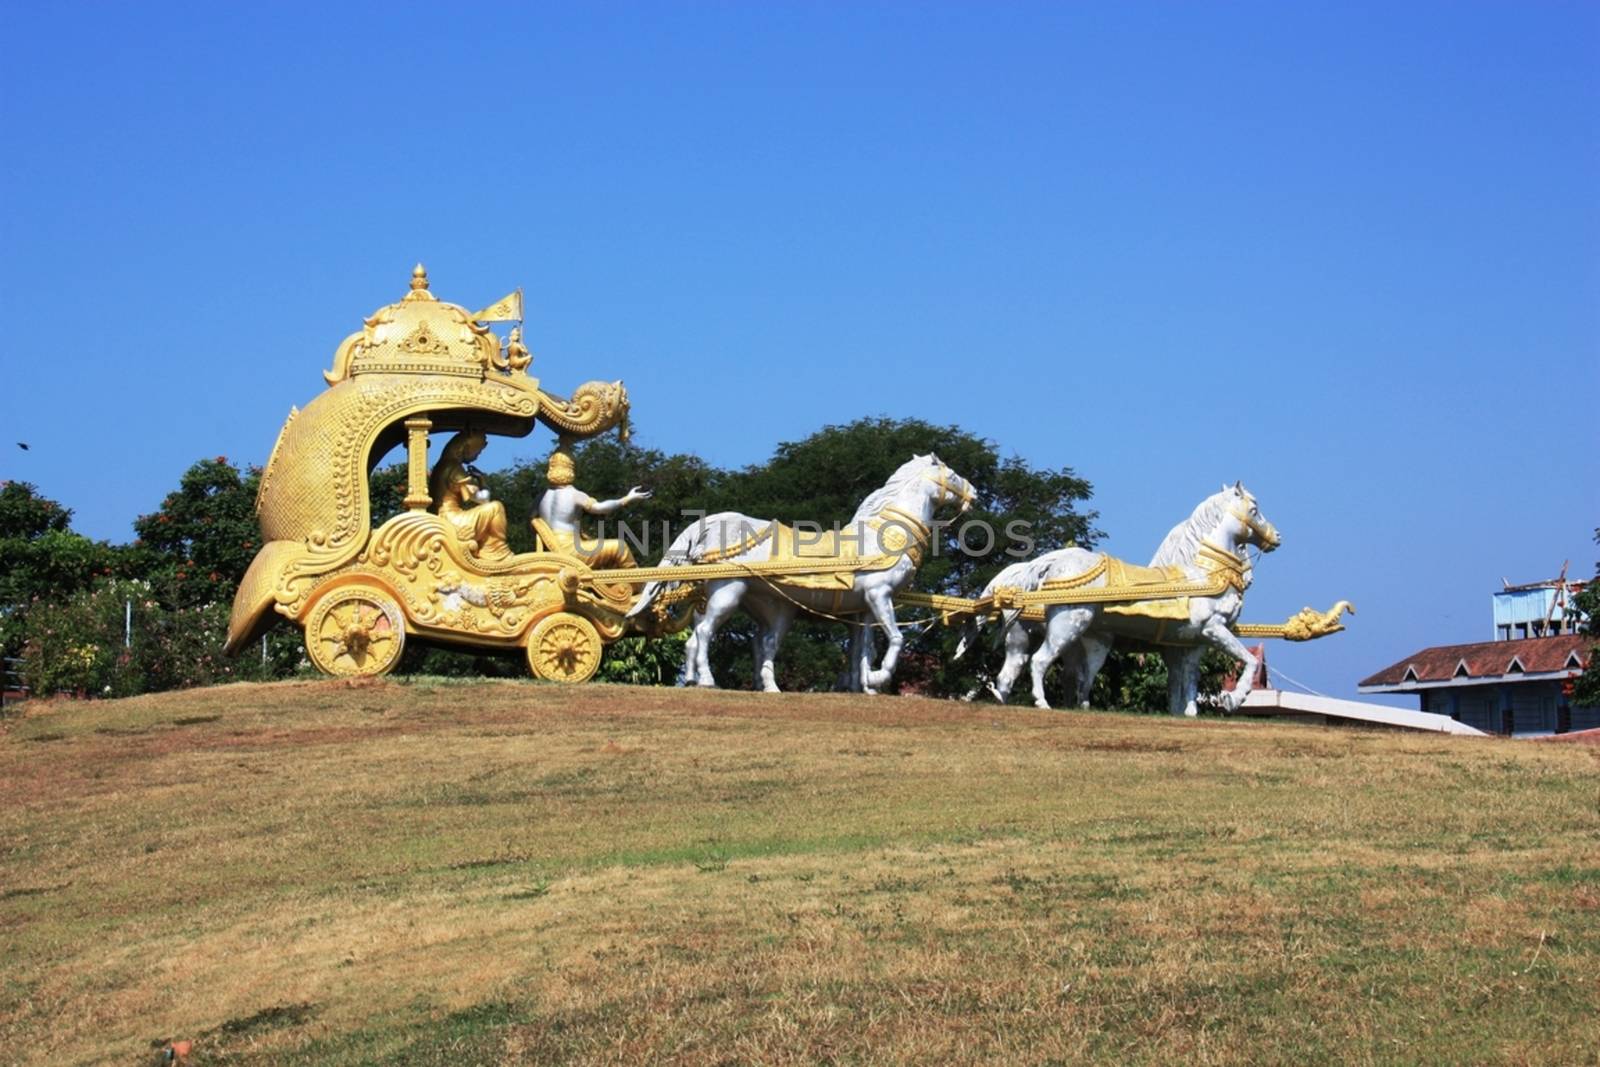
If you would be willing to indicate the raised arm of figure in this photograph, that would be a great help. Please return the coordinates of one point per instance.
(611, 507)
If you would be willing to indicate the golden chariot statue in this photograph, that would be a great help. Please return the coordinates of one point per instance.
(442, 569)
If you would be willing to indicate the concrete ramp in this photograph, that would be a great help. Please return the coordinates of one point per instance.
(1278, 702)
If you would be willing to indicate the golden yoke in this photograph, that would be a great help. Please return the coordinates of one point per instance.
(417, 366)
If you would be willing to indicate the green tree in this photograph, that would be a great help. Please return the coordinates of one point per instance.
(1585, 691)
(196, 547)
(387, 487)
(824, 477)
(41, 558)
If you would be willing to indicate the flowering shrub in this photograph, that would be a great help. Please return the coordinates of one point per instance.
(183, 647)
(76, 645)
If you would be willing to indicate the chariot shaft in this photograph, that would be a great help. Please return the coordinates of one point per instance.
(1305, 626)
(710, 572)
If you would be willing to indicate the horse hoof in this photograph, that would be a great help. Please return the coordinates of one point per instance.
(706, 683)
(770, 689)
(1042, 705)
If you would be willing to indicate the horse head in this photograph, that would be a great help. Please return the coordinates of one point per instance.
(950, 486)
(1253, 527)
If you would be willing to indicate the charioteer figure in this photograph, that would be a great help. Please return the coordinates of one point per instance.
(561, 512)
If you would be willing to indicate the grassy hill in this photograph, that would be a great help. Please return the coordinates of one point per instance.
(436, 873)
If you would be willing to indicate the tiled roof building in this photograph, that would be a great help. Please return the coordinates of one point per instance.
(1515, 686)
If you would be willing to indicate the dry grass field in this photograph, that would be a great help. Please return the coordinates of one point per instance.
(420, 872)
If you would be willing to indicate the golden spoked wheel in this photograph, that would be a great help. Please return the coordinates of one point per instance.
(564, 648)
(356, 631)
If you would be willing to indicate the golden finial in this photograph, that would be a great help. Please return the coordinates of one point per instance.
(419, 284)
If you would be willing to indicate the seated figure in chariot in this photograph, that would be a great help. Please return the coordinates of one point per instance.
(561, 511)
(460, 498)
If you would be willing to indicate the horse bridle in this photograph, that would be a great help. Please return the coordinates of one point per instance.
(1265, 534)
(941, 478)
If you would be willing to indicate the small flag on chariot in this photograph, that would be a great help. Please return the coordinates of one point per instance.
(507, 309)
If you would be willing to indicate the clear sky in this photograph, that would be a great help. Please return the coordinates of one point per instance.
(1347, 253)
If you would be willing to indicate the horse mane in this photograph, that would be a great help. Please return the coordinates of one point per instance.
(875, 502)
(1183, 542)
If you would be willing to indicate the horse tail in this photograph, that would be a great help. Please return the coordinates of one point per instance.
(1026, 575)
(969, 636)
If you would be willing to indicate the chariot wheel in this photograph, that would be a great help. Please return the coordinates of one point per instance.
(564, 648)
(356, 631)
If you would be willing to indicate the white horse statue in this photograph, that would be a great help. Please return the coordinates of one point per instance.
(1207, 548)
(1084, 659)
(890, 534)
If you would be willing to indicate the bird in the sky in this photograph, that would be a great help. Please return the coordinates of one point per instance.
(23, 445)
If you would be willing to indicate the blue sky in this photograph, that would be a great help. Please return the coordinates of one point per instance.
(1349, 254)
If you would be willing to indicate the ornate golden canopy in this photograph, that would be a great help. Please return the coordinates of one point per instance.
(421, 334)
